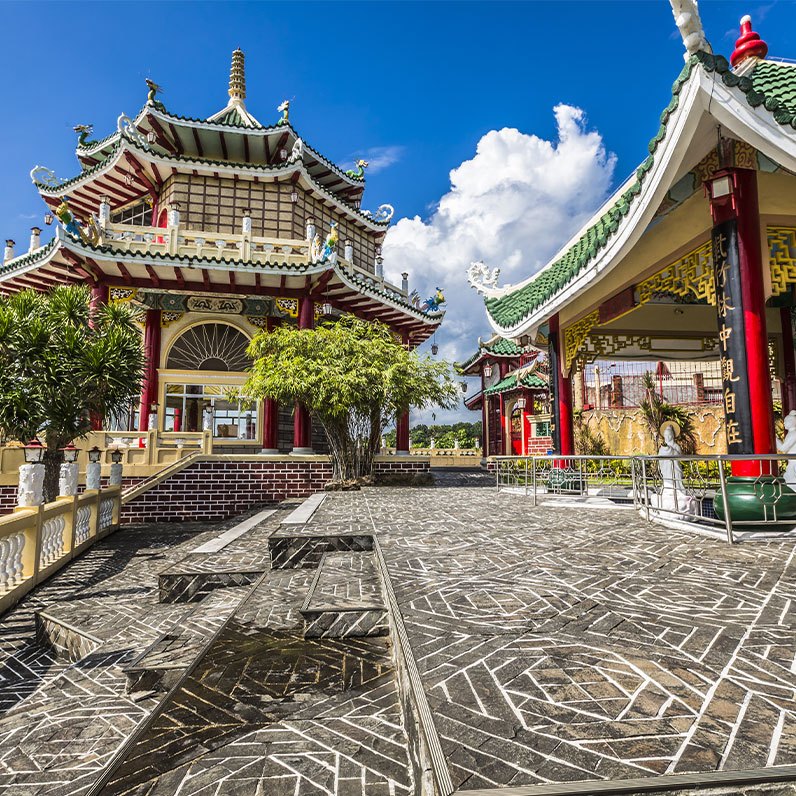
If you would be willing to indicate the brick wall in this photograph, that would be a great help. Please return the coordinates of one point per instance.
(8, 498)
(217, 490)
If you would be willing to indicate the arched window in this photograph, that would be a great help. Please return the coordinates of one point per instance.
(210, 346)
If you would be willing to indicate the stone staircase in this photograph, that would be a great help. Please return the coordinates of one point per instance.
(345, 598)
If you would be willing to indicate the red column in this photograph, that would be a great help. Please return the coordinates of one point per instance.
(149, 390)
(749, 412)
(484, 420)
(564, 432)
(99, 295)
(270, 415)
(302, 423)
(789, 362)
(402, 421)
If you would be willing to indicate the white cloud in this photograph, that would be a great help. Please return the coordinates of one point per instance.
(512, 205)
(380, 157)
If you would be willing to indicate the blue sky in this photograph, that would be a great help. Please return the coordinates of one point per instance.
(416, 83)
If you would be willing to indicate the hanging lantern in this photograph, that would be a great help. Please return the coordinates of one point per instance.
(283, 154)
(128, 178)
(151, 137)
(434, 349)
(327, 308)
(48, 219)
(294, 196)
(463, 386)
(487, 371)
(520, 404)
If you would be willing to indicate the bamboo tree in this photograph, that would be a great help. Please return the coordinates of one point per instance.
(354, 377)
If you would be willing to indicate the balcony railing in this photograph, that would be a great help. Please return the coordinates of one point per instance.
(227, 247)
(36, 542)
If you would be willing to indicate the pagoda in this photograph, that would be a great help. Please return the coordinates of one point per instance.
(514, 398)
(217, 229)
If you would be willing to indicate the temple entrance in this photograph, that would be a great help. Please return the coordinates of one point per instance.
(205, 368)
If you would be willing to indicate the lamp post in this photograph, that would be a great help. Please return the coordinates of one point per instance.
(67, 477)
(93, 468)
(31, 476)
(116, 468)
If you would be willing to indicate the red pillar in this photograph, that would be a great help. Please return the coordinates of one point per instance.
(564, 431)
(149, 390)
(484, 419)
(270, 415)
(789, 380)
(402, 421)
(302, 423)
(749, 411)
(99, 295)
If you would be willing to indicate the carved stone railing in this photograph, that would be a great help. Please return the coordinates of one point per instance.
(36, 542)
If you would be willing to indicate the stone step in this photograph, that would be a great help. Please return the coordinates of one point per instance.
(345, 598)
(162, 663)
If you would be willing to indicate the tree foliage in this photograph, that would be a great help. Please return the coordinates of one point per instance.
(62, 364)
(468, 435)
(353, 376)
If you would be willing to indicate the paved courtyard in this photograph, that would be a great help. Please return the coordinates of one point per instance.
(546, 645)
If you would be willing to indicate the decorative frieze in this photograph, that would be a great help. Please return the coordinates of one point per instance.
(689, 277)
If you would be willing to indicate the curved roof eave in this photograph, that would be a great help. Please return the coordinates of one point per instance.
(125, 144)
(729, 106)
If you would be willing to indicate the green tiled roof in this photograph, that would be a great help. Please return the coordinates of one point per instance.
(30, 257)
(531, 380)
(67, 184)
(771, 84)
(499, 347)
(233, 117)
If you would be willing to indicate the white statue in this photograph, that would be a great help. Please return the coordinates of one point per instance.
(673, 496)
(207, 418)
(788, 445)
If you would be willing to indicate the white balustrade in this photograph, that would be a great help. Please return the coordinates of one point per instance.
(52, 540)
(106, 513)
(82, 524)
(11, 566)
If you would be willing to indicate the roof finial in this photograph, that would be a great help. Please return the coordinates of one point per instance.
(686, 17)
(749, 43)
(237, 76)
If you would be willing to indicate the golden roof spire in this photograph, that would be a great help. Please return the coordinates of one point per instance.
(237, 76)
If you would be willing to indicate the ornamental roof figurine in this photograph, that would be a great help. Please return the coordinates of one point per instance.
(749, 44)
(686, 17)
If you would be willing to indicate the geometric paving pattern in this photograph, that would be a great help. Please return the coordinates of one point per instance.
(558, 647)
(552, 645)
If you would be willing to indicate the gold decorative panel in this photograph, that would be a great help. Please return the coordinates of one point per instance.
(782, 258)
(575, 335)
(690, 277)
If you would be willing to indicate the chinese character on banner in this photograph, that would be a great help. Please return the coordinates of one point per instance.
(728, 369)
(733, 433)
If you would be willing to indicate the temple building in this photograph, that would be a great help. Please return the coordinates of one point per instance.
(514, 398)
(693, 257)
(217, 228)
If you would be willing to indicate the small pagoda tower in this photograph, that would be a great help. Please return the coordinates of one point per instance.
(216, 228)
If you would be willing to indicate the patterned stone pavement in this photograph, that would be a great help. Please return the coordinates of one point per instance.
(552, 645)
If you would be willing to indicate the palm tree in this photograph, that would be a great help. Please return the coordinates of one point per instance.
(656, 410)
(63, 364)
